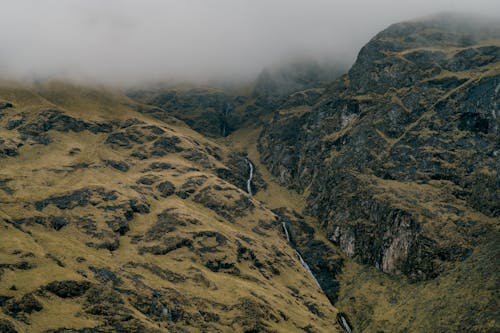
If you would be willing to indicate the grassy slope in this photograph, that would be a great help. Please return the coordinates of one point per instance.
(40, 171)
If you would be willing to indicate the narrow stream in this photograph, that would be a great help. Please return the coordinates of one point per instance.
(306, 267)
(340, 317)
(344, 323)
(302, 261)
(286, 232)
(250, 176)
(224, 124)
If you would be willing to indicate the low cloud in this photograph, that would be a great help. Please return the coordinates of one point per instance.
(135, 41)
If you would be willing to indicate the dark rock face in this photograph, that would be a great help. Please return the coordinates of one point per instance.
(158, 166)
(5, 105)
(218, 113)
(166, 188)
(7, 327)
(121, 140)
(238, 173)
(387, 237)
(219, 265)
(147, 180)
(207, 111)
(4, 186)
(118, 225)
(27, 304)
(57, 121)
(166, 145)
(167, 222)
(118, 165)
(58, 222)
(81, 197)
(169, 244)
(68, 288)
(9, 148)
(397, 119)
(228, 210)
(104, 275)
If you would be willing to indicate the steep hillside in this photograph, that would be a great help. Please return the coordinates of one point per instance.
(115, 221)
(400, 164)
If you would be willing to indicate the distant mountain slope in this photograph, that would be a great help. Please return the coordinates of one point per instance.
(219, 111)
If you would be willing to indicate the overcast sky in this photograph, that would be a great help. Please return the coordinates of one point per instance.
(133, 41)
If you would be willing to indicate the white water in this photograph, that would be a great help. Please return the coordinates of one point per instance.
(302, 261)
(226, 113)
(249, 181)
(286, 232)
(306, 266)
(345, 324)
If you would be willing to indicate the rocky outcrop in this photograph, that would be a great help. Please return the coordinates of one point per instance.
(68, 288)
(5, 105)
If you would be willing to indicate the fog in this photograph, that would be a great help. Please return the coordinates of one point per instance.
(130, 42)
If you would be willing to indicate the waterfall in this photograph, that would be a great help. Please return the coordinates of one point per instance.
(227, 109)
(344, 323)
(306, 266)
(302, 261)
(250, 176)
(286, 231)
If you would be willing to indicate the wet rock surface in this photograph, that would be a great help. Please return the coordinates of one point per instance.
(238, 173)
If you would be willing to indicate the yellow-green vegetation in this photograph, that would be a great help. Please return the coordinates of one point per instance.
(208, 259)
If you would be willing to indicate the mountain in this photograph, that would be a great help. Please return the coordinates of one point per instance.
(305, 202)
(399, 163)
